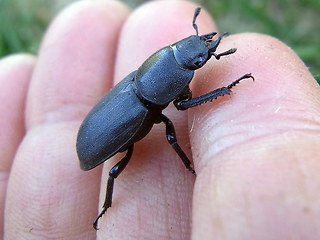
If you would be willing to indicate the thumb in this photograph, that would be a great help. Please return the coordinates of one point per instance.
(256, 151)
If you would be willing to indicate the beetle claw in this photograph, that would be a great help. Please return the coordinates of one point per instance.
(95, 222)
(248, 75)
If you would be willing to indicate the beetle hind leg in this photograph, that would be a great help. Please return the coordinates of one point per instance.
(113, 174)
(172, 139)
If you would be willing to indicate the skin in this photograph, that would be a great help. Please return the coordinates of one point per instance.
(256, 152)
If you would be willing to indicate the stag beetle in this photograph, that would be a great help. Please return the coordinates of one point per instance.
(128, 111)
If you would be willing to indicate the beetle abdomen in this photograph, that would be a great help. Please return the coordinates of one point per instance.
(111, 125)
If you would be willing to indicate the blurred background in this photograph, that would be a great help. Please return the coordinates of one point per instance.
(295, 22)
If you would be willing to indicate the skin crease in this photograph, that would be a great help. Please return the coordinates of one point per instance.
(255, 151)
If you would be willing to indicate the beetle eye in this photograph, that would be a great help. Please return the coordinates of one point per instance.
(198, 61)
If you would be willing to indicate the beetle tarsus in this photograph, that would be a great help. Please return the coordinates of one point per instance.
(248, 75)
(113, 174)
(95, 222)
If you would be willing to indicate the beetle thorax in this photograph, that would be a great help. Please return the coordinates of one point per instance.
(160, 79)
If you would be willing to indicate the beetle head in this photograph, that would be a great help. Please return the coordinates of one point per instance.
(194, 51)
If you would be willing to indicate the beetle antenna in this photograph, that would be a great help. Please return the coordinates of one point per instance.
(196, 13)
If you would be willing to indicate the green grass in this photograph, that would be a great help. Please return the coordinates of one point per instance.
(295, 22)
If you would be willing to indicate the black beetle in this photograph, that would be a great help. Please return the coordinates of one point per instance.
(128, 111)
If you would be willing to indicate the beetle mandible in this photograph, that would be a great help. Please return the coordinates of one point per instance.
(128, 111)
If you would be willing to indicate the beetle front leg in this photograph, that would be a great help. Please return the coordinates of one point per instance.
(113, 174)
(188, 103)
(172, 139)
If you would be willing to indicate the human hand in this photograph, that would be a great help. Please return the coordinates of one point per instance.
(255, 151)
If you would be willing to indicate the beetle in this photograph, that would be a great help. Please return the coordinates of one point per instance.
(128, 111)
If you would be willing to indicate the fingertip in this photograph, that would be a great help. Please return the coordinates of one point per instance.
(282, 89)
(76, 61)
(16, 61)
(255, 150)
(87, 16)
(270, 60)
(15, 74)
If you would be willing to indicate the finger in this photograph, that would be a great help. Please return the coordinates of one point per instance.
(152, 196)
(15, 73)
(48, 195)
(256, 151)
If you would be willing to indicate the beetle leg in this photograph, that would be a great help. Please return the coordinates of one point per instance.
(185, 95)
(114, 173)
(172, 139)
(188, 103)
